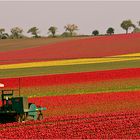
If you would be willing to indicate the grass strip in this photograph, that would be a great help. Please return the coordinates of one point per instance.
(68, 69)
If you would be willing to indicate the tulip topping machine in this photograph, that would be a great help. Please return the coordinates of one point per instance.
(17, 108)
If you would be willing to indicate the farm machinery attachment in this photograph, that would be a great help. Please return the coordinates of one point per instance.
(17, 108)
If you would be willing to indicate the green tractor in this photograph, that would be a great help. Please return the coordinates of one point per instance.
(17, 108)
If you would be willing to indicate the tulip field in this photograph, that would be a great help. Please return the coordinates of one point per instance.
(99, 47)
(89, 126)
(89, 92)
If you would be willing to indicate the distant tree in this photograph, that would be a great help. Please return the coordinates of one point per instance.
(127, 24)
(1, 32)
(34, 31)
(71, 28)
(52, 30)
(16, 32)
(138, 22)
(5, 36)
(110, 31)
(95, 32)
(136, 30)
(68, 34)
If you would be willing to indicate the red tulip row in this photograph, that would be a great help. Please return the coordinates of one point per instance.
(61, 79)
(101, 102)
(101, 126)
(89, 99)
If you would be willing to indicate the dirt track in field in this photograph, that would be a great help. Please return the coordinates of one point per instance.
(81, 48)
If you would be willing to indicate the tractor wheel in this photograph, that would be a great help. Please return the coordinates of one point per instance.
(40, 117)
(29, 118)
(24, 116)
(19, 118)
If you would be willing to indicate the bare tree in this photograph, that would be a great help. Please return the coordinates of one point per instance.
(71, 28)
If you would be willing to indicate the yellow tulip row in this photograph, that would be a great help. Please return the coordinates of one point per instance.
(117, 58)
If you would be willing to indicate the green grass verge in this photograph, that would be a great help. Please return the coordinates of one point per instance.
(68, 69)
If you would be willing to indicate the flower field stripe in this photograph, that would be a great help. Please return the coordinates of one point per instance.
(36, 71)
(92, 103)
(128, 57)
(103, 116)
(95, 87)
(60, 79)
(89, 103)
(72, 101)
(26, 43)
(90, 47)
(116, 125)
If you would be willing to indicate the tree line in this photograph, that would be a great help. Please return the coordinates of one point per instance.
(126, 25)
(70, 30)
(17, 32)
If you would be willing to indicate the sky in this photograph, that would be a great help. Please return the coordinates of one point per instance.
(88, 15)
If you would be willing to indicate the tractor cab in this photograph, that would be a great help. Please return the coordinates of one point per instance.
(6, 96)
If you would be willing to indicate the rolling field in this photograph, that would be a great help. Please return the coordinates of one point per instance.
(93, 47)
(90, 86)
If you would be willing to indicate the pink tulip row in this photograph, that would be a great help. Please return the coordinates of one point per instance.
(108, 126)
